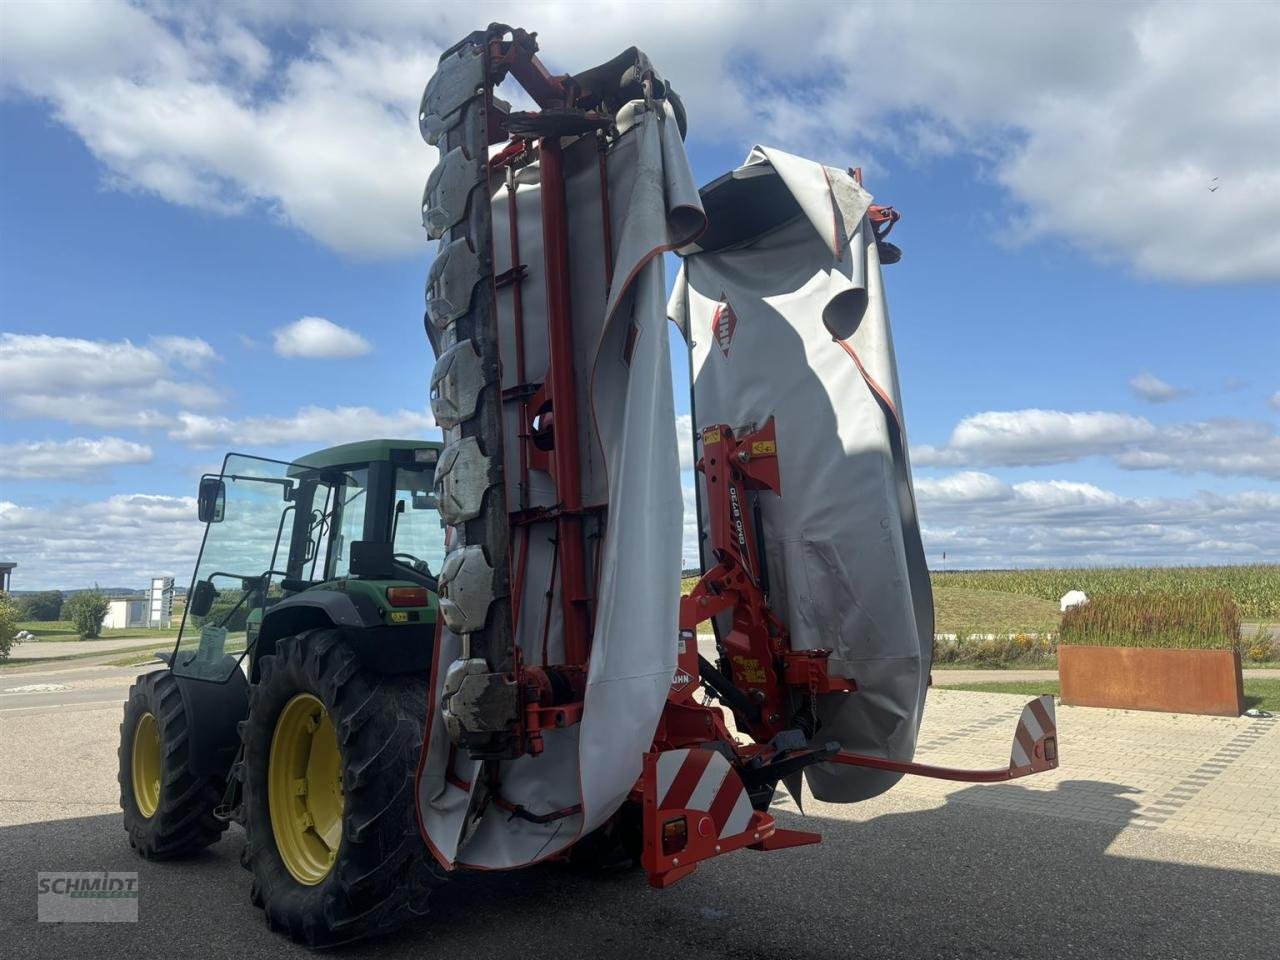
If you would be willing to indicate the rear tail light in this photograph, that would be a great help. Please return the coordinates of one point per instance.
(407, 596)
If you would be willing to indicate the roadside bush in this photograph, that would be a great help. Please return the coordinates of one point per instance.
(993, 650)
(8, 625)
(1204, 620)
(223, 606)
(1263, 648)
(43, 606)
(86, 610)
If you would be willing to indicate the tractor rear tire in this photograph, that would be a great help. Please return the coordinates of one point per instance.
(379, 872)
(168, 810)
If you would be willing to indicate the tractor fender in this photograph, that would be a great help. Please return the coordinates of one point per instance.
(384, 649)
(310, 610)
(213, 712)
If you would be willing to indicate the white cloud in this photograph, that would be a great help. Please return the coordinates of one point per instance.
(1025, 437)
(190, 352)
(123, 540)
(61, 459)
(967, 487)
(1275, 400)
(317, 337)
(1063, 522)
(318, 425)
(1149, 387)
(689, 544)
(1080, 114)
(41, 362)
(983, 521)
(117, 542)
(179, 107)
(1225, 447)
(684, 439)
(104, 383)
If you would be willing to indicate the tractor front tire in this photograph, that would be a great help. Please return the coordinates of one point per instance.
(328, 767)
(168, 810)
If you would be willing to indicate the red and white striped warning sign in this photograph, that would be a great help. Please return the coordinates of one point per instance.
(723, 323)
(703, 780)
(1035, 742)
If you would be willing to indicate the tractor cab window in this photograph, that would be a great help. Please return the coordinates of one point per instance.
(273, 524)
(418, 529)
(241, 562)
(348, 520)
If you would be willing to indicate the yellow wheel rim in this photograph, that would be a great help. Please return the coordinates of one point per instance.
(304, 789)
(147, 766)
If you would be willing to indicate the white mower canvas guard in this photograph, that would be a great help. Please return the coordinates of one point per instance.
(783, 307)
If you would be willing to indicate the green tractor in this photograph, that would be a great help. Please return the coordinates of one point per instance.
(295, 697)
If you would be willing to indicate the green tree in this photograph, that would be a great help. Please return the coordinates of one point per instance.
(86, 610)
(45, 606)
(8, 625)
(220, 613)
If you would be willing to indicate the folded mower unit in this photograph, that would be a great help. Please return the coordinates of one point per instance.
(571, 707)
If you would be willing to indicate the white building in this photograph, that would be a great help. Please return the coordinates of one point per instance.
(125, 612)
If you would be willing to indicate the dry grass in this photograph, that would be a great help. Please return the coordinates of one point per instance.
(965, 612)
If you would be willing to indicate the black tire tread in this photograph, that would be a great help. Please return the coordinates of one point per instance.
(383, 873)
(183, 822)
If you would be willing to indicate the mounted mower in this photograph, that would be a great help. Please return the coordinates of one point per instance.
(559, 706)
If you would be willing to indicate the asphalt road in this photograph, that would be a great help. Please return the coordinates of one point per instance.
(893, 878)
(54, 686)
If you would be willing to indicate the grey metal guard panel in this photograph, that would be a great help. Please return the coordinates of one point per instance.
(456, 383)
(454, 274)
(449, 188)
(466, 589)
(458, 79)
(462, 477)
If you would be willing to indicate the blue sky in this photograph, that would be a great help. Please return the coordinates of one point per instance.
(1087, 335)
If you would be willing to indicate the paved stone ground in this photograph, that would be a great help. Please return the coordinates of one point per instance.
(1210, 776)
(1216, 777)
(1157, 838)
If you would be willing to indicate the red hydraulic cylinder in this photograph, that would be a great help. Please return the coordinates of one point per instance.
(569, 527)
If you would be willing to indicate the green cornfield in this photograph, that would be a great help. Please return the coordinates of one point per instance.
(1205, 620)
(1256, 588)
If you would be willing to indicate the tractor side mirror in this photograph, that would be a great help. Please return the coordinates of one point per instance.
(211, 500)
(202, 597)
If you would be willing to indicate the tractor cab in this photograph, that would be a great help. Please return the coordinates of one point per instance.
(345, 537)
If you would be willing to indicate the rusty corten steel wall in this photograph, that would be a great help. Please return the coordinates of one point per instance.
(1144, 678)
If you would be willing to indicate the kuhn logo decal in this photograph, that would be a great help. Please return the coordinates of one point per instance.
(681, 678)
(723, 323)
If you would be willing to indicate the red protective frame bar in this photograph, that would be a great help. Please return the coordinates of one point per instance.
(937, 773)
(553, 404)
(574, 599)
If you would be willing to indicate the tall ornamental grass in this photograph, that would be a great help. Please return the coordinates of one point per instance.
(1201, 620)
